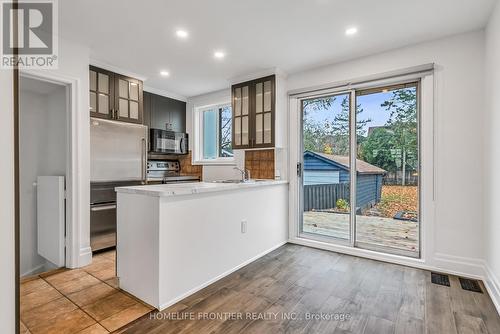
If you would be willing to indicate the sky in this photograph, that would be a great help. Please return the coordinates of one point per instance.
(369, 103)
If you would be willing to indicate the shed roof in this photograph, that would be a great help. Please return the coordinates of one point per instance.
(362, 167)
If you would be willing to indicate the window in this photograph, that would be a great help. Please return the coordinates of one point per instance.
(213, 133)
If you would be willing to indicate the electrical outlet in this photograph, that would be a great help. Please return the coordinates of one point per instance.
(243, 226)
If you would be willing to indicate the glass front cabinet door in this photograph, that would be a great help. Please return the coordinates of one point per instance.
(253, 105)
(128, 99)
(101, 93)
(241, 116)
(114, 96)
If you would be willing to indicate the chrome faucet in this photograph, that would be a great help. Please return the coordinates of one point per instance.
(245, 174)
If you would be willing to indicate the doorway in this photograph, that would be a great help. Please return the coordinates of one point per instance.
(374, 205)
(43, 170)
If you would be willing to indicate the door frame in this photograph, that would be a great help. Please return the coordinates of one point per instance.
(425, 74)
(73, 185)
(352, 229)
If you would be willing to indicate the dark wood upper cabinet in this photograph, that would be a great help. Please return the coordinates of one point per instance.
(253, 106)
(101, 86)
(128, 99)
(115, 96)
(164, 113)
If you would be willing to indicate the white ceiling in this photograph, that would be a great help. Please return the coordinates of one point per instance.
(292, 35)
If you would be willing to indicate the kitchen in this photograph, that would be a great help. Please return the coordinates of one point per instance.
(173, 163)
(125, 138)
(131, 171)
(139, 138)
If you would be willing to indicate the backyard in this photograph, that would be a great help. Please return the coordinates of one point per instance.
(398, 199)
(391, 223)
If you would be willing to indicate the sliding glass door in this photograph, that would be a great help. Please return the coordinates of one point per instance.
(375, 204)
(325, 177)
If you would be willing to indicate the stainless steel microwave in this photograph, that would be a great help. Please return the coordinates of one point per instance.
(168, 142)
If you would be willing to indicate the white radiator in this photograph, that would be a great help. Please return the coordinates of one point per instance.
(51, 218)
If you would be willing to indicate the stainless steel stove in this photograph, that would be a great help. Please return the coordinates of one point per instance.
(167, 171)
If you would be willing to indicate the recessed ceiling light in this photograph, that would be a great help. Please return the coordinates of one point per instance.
(165, 73)
(219, 54)
(182, 33)
(351, 31)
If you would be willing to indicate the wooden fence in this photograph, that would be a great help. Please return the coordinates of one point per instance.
(395, 178)
(324, 196)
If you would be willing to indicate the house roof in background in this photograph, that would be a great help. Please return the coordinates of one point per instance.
(362, 167)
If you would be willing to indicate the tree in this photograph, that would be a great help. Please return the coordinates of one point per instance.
(403, 122)
(341, 121)
(316, 135)
(378, 149)
(225, 146)
(394, 147)
(340, 126)
(322, 103)
(330, 136)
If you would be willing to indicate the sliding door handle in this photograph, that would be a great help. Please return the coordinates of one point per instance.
(103, 207)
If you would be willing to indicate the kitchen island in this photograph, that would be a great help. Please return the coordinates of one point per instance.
(173, 240)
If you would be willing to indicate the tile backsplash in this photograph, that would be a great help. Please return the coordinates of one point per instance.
(260, 163)
(187, 167)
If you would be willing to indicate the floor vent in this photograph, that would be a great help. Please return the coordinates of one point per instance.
(470, 285)
(440, 279)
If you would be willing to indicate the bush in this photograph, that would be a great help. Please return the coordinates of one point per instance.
(342, 204)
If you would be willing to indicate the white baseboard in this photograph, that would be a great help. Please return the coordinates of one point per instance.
(33, 271)
(493, 286)
(215, 279)
(85, 257)
(43, 267)
(460, 266)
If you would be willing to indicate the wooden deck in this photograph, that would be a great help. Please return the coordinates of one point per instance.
(394, 236)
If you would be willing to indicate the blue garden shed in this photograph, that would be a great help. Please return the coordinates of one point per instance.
(328, 176)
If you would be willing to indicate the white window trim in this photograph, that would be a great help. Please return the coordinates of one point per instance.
(198, 138)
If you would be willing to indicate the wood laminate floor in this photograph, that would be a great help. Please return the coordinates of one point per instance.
(297, 289)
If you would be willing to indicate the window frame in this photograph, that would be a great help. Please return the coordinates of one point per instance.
(219, 135)
(198, 127)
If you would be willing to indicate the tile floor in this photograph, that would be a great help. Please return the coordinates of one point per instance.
(82, 301)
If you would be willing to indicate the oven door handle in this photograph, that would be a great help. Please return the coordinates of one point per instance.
(103, 207)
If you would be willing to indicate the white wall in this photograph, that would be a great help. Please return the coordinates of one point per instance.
(73, 69)
(492, 152)
(225, 172)
(459, 81)
(42, 148)
(7, 247)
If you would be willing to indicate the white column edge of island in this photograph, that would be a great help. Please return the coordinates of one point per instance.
(174, 240)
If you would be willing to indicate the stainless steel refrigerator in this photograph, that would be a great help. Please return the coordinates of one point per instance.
(118, 154)
(118, 151)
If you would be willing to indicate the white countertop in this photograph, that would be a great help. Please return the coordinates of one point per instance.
(165, 190)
